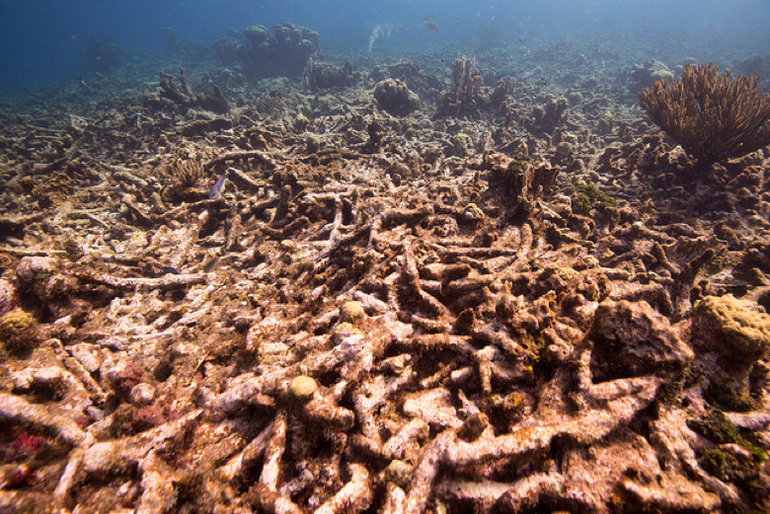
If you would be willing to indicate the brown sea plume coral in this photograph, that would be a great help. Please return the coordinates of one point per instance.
(712, 116)
(188, 172)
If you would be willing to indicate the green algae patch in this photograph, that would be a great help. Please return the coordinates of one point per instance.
(588, 196)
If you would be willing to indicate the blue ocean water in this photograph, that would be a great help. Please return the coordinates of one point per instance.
(43, 41)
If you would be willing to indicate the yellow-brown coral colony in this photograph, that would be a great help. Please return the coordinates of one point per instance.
(745, 330)
(18, 331)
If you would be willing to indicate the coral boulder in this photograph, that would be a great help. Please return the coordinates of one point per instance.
(285, 53)
(394, 96)
(632, 339)
(730, 335)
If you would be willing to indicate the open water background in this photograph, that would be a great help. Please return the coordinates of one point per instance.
(43, 41)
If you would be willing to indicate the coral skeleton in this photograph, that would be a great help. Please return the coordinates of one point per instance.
(509, 299)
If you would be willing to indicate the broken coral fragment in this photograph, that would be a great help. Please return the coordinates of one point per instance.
(633, 339)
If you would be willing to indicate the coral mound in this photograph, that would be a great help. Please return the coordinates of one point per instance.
(18, 331)
(744, 332)
(284, 53)
(394, 96)
(632, 339)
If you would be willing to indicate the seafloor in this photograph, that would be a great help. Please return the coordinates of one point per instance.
(529, 302)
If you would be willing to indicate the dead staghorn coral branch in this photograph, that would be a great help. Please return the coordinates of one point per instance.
(166, 282)
(240, 155)
(270, 502)
(253, 451)
(617, 402)
(355, 496)
(271, 467)
(713, 117)
(18, 410)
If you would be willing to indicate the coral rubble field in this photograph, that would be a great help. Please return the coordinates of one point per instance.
(412, 287)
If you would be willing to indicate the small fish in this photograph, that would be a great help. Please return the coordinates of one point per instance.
(216, 189)
(166, 270)
(432, 25)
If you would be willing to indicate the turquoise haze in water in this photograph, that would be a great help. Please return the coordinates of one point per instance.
(44, 40)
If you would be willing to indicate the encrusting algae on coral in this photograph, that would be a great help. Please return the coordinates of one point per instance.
(744, 331)
(732, 337)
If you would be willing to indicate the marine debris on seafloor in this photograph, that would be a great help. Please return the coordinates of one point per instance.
(301, 303)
